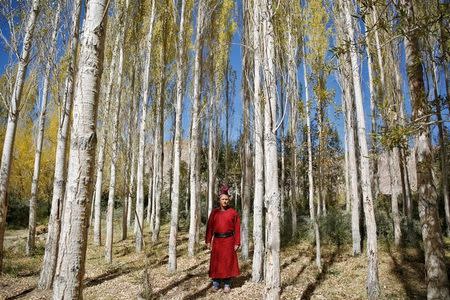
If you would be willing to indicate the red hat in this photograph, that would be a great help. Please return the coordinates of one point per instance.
(224, 190)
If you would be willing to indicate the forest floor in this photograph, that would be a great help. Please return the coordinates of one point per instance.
(401, 272)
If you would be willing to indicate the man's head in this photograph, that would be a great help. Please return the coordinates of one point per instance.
(224, 197)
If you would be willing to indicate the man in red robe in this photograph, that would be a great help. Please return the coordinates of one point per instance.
(223, 238)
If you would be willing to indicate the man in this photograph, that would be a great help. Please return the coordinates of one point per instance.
(223, 239)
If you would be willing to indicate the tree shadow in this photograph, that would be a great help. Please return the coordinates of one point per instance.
(400, 270)
(320, 276)
(297, 276)
(111, 274)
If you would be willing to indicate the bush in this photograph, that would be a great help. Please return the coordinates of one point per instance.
(335, 227)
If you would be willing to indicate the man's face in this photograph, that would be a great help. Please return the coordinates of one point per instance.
(223, 201)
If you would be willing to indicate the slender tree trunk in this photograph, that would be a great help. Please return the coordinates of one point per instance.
(258, 237)
(394, 166)
(115, 138)
(312, 213)
(101, 150)
(54, 224)
(73, 244)
(272, 191)
(30, 245)
(140, 169)
(172, 261)
(159, 146)
(442, 149)
(13, 115)
(373, 118)
(373, 288)
(194, 155)
(436, 271)
(293, 98)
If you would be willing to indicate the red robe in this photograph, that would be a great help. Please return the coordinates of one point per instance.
(224, 261)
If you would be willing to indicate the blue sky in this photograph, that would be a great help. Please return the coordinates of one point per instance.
(236, 65)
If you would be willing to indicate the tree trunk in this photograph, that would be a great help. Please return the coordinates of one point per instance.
(101, 150)
(13, 115)
(272, 193)
(258, 240)
(115, 137)
(194, 154)
(246, 160)
(436, 271)
(72, 253)
(54, 224)
(442, 148)
(29, 249)
(394, 167)
(159, 146)
(373, 288)
(140, 169)
(312, 212)
(175, 197)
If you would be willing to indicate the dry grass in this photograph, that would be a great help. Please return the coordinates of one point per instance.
(401, 273)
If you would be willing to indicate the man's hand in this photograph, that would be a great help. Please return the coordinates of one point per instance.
(236, 247)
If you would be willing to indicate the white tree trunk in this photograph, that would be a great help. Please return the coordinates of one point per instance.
(312, 213)
(246, 178)
(158, 156)
(258, 241)
(73, 243)
(394, 168)
(13, 115)
(373, 288)
(139, 218)
(194, 154)
(115, 138)
(272, 193)
(175, 197)
(101, 149)
(347, 91)
(293, 96)
(30, 245)
(54, 223)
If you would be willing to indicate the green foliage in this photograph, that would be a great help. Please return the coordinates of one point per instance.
(335, 227)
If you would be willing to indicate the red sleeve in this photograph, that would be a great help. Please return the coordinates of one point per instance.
(237, 230)
(209, 228)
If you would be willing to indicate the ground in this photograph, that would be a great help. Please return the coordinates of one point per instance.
(401, 272)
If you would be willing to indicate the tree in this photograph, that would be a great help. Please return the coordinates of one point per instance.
(54, 223)
(373, 288)
(13, 114)
(258, 241)
(29, 249)
(194, 152)
(181, 58)
(123, 14)
(140, 169)
(72, 252)
(436, 271)
(272, 194)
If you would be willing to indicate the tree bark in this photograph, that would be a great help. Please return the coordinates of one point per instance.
(140, 169)
(436, 271)
(194, 153)
(373, 288)
(172, 261)
(30, 245)
(258, 241)
(72, 252)
(272, 192)
(115, 137)
(312, 212)
(13, 115)
(101, 150)
(59, 182)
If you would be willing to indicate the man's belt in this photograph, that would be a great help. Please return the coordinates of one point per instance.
(223, 235)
